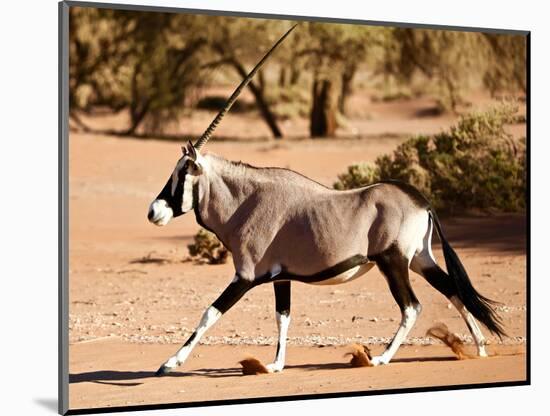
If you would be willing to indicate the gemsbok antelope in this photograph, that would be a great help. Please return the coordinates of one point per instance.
(281, 226)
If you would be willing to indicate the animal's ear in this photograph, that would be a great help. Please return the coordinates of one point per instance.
(194, 166)
(191, 151)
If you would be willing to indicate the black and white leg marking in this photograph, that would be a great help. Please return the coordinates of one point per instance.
(236, 289)
(282, 313)
(425, 265)
(394, 266)
(472, 326)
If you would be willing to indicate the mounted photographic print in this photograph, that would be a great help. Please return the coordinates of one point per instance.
(266, 208)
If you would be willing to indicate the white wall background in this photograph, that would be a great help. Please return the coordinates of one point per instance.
(28, 205)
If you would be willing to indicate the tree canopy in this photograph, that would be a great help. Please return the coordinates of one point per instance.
(153, 65)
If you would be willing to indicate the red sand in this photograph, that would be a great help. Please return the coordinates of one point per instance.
(127, 316)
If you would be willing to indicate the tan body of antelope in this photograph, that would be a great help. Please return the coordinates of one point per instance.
(281, 227)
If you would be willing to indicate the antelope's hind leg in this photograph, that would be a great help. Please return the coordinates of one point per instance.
(424, 264)
(232, 293)
(394, 266)
(282, 314)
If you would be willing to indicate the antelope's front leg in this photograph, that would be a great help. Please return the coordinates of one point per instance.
(282, 313)
(232, 293)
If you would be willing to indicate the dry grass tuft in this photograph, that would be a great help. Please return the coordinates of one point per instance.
(252, 367)
(360, 356)
(206, 248)
(442, 333)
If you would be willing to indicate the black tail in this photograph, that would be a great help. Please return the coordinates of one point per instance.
(478, 305)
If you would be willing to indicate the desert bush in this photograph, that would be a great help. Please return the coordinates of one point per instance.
(207, 248)
(476, 164)
(357, 175)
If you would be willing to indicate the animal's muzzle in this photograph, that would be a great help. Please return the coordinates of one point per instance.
(160, 213)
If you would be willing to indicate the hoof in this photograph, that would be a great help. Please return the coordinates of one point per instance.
(274, 368)
(482, 353)
(163, 370)
(376, 361)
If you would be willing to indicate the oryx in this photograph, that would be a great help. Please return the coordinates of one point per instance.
(281, 226)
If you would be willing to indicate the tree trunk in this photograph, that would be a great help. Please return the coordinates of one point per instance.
(294, 73)
(261, 80)
(139, 106)
(347, 77)
(137, 116)
(323, 111)
(282, 77)
(261, 102)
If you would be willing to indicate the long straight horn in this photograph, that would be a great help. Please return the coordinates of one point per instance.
(206, 135)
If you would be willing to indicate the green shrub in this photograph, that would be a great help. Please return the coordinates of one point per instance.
(207, 248)
(358, 175)
(476, 164)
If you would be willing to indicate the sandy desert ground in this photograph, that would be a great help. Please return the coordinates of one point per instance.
(134, 298)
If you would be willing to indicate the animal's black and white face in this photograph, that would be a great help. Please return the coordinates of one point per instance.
(177, 197)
